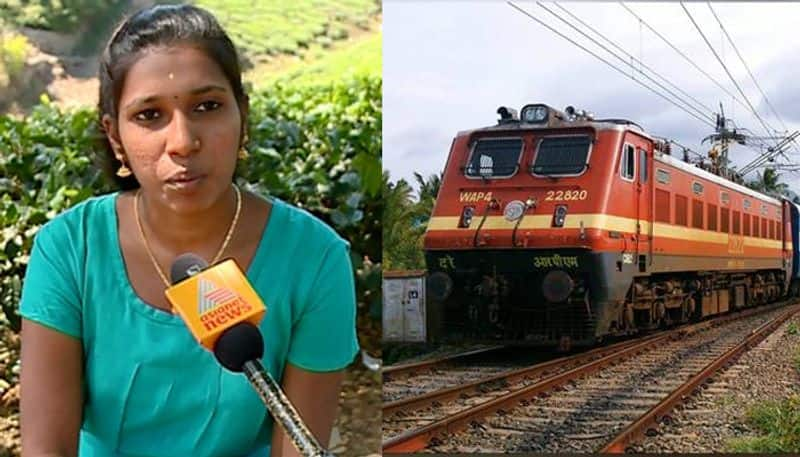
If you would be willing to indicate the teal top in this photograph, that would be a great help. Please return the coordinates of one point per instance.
(149, 388)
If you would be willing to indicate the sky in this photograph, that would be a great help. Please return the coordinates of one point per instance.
(448, 66)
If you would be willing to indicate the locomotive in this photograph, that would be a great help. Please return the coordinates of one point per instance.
(554, 228)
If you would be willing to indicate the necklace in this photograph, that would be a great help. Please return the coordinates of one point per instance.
(224, 245)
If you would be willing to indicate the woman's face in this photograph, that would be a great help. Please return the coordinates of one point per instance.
(179, 126)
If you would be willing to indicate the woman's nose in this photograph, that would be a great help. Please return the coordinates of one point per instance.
(181, 138)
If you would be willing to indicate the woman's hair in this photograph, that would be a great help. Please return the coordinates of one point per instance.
(160, 25)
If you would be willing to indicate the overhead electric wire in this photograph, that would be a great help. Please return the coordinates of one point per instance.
(530, 15)
(685, 57)
(761, 161)
(674, 48)
(583, 23)
(725, 67)
(778, 149)
(710, 117)
(730, 40)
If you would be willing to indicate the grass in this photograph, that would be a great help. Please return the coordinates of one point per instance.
(362, 56)
(778, 427)
(796, 359)
(263, 29)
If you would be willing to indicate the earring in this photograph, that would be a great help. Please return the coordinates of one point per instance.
(123, 171)
(243, 154)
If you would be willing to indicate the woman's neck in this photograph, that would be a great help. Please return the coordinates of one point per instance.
(201, 233)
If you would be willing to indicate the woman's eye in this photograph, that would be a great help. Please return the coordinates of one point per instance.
(147, 115)
(209, 105)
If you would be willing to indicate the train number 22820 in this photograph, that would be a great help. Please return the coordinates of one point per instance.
(566, 195)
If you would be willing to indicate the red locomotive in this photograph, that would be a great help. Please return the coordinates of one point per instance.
(556, 228)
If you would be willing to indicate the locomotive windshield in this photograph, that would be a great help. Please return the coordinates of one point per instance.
(494, 158)
(561, 155)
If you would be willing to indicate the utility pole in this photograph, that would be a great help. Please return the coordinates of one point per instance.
(720, 142)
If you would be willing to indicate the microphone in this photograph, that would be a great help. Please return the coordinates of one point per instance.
(222, 311)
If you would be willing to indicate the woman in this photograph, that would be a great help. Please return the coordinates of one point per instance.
(108, 369)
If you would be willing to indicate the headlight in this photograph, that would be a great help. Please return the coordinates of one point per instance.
(514, 210)
(559, 215)
(557, 286)
(439, 285)
(533, 114)
(466, 216)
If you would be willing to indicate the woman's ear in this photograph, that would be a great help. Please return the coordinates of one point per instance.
(112, 133)
(244, 111)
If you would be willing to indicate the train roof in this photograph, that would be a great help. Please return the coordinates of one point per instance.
(699, 172)
(543, 117)
(601, 124)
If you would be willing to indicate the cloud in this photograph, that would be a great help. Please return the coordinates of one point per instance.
(449, 65)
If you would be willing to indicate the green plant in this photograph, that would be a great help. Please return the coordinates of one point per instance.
(275, 27)
(796, 359)
(61, 15)
(792, 329)
(14, 50)
(778, 424)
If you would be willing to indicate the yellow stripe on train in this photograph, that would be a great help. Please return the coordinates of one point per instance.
(602, 222)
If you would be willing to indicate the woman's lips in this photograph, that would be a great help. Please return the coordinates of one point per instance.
(186, 183)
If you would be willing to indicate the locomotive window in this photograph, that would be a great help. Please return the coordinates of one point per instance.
(494, 158)
(746, 224)
(642, 166)
(725, 198)
(755, 226)
(697, 214)
(627, 168)
(697, 188)
(736, 222)
(681, 208)
(724, 220)
(662, 206)
(562, 155)
(746, 204)
(712, 217)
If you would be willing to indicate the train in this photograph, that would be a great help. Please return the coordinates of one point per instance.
(555, 228)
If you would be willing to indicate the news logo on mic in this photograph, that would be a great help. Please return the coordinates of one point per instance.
(215, 299)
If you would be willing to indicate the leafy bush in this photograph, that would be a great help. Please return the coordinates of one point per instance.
(779, 427)
(361, 57)
(315, 147)
(271, 28)
(14, 50)
(62, 15)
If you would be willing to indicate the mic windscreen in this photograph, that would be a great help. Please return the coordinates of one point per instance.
(186, 265)
(239, 344)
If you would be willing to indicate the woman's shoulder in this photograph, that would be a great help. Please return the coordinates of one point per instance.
(300, 224)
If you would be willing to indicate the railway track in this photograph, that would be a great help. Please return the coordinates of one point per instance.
(405, 369)
(601, 400)
(417, 378)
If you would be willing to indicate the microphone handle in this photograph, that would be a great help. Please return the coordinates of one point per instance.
(283, 411)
